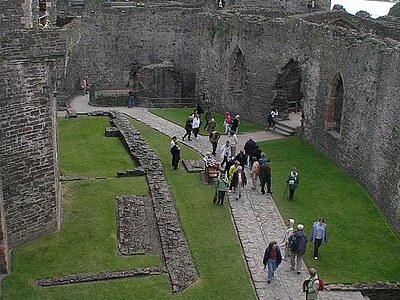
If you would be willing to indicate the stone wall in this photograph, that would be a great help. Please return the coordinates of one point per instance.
(114, 42)
(28, 162)
(175, 249)
(368, 143)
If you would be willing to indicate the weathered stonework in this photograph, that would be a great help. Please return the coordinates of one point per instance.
(174, 247)
(99, 276)
(136, 227)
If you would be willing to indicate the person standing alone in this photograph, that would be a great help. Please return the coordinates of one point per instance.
(176, 155)
(318, 235)
(292, 182)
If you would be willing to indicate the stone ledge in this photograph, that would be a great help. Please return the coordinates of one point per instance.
(106, 275)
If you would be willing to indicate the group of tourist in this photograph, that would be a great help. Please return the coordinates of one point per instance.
(295, 244)
(232, 178)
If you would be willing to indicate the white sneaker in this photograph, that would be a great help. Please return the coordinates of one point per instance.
(316, 258)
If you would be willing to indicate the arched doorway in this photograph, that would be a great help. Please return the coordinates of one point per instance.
(236, 71)
(334, 104)
(287, 89)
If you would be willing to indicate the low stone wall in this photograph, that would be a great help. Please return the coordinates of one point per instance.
(175, 249)
(89, 277)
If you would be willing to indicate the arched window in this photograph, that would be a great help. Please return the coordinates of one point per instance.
(334, 105)
(236, 71)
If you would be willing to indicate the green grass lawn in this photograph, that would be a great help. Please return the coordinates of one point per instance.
(79, 157)
(361, 247)
(87, 240)
(179, 116)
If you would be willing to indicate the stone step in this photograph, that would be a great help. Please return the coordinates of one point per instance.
(283, 129)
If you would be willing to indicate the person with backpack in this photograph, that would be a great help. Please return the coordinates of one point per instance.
(312, 285)
(318, 235)
(272, 259)
(297, 244)
(292, 182)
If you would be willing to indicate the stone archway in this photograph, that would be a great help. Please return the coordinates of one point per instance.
(287, 89)
(236, 71)
(334, 104)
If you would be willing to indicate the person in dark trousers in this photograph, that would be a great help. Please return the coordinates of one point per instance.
(249, 147)
(235, 124)
(292, 182)
(131, 100)
(298, 252)
(265, 177)
(188, 128)
(272, 259)
(224, 153)
(207, 117)
(214, 138)
(176, 155)
(318, 235)
(221, 186)
(271, 118)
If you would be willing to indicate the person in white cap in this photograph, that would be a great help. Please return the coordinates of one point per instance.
(235, 124)
(297, 244)
(288, 232)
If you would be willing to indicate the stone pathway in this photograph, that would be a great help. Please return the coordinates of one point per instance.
(255, 216)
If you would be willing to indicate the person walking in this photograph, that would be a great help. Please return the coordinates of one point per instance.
(214, 138)
(311, 285)
(188, 128)
(239, 181)
(249, 147)
(235, 124)
(85, 84)
(196, 125)
(270, 119)
(211, 126)
(318, 235)
(207, 117)
(298, 249)
(241, 157)
(272, 259)
(292, 182)
(285, 240)
(265, 177)
(255, 173)
(176, 155)
(224, 153)
(233, 141)
(131, 99)
(227, 122)
(221, 186)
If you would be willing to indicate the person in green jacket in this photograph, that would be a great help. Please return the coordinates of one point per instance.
(221, 185)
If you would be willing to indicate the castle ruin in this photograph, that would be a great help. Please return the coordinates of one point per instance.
(342, 71)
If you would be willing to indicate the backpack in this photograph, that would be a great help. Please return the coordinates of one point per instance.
(307, 281)
(321, 285)
(258, 171)
(292, 242)
(292, 181)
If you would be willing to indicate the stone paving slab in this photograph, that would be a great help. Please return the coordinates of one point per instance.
(256, 217)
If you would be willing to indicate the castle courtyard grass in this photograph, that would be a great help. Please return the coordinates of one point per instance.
(361, 246)
(87, 240)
